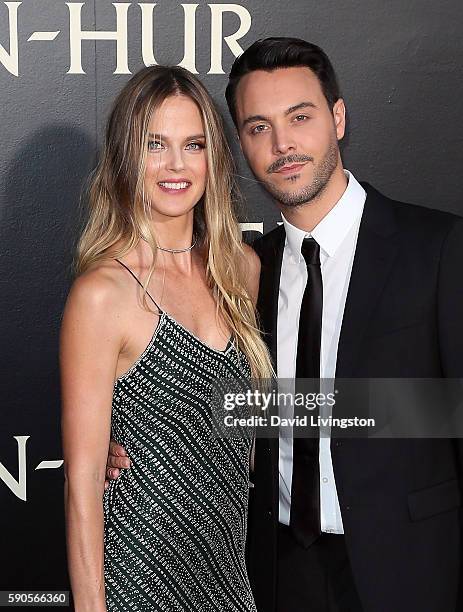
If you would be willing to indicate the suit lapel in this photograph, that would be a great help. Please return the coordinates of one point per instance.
(375, 254)
(270, 249)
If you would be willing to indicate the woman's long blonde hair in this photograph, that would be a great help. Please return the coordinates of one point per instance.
(119, 212)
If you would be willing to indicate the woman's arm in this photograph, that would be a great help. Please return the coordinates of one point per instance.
(89, 349)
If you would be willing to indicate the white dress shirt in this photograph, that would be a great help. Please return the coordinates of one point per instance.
(337, 236)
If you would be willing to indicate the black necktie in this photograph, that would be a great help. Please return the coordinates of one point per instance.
(305, 489)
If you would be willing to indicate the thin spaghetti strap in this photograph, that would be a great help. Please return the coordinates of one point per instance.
(141, 285)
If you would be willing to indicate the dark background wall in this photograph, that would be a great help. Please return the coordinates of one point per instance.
(400, 70)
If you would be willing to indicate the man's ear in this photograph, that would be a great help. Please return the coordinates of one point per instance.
(339, 117)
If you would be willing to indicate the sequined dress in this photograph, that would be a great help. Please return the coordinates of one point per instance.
(175, 522)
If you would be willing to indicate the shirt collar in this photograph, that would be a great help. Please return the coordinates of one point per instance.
(334, 227)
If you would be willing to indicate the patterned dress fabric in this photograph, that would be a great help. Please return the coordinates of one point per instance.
(175, 522)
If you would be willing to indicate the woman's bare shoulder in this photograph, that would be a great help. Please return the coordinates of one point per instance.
(97, 294)
(99, 283)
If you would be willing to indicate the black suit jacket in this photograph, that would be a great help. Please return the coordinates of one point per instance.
(400, 498)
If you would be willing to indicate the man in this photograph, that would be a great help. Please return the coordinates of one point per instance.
(353, 285)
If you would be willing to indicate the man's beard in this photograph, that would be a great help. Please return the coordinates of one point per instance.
(322, 174)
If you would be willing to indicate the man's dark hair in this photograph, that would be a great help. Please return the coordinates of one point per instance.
(280, 52)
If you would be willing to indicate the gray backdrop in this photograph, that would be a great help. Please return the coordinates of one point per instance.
(399, 66)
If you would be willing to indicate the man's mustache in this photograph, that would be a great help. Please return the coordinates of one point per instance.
(289, 159)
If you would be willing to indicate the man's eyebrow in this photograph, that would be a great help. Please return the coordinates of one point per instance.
(253, 118)
(161, 137)
(288, 111)
(300, 106)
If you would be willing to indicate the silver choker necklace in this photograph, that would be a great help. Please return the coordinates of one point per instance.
(179, 250)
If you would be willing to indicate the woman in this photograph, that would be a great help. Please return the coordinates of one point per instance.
(162, 307)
